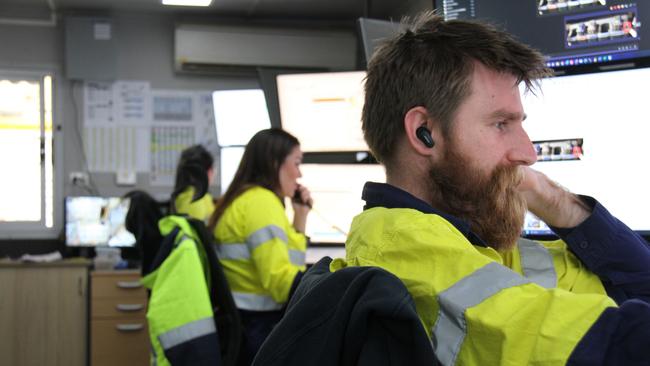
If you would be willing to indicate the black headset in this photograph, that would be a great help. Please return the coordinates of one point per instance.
(424, 135)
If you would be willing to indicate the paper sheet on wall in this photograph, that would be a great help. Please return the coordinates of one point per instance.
(131, 127)
(180, 119)
(132, 102)
(98, 103)
(167, 142)
(116, 148)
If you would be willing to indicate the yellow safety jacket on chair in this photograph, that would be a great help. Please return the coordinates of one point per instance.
(260, 251)
(180, 314)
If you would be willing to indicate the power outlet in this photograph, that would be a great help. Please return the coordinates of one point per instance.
(79, 179)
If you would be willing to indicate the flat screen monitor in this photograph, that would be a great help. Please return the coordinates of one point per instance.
(374, 31)
(229, 159)
(590, 132)
(336, 191)
(323, 110)
(238, 115)
(569, 32)
(97, 221)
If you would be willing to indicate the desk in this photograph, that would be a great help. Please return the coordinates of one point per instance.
(314, 254)
(43, 313)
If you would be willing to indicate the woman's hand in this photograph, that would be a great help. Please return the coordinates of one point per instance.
(301, 204)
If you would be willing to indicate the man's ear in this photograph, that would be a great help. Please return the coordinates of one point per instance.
(419, 130)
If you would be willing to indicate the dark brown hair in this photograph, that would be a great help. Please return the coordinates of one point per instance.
(259, 166)
(192, 171)
(430, 64)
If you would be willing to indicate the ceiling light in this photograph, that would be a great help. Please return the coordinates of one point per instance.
(187, 2)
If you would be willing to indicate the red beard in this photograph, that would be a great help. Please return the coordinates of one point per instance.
(490, 203)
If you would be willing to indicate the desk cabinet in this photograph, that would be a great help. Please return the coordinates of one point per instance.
(43, 312)
(118, 328)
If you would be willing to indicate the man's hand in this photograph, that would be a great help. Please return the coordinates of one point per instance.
(551, 203)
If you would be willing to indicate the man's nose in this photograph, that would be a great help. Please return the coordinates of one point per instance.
(522, 151)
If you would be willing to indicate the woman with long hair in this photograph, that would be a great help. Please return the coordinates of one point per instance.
(194, 174)
(262, 253)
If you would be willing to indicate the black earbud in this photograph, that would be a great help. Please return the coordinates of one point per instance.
(424, 135)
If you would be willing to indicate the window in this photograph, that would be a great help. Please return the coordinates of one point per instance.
(26, 147)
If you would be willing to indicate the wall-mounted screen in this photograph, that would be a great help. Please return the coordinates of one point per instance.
(238, 115)
(569, 32)
(374, 31)
(590, 132)
(229, 160)
(336, 191)
(323, 110)
(97, 221)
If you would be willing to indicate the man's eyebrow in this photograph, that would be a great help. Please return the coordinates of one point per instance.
(511, 116)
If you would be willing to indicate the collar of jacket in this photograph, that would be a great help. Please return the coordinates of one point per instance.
(388, 196)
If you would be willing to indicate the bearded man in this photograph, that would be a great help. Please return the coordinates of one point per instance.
(443, 115)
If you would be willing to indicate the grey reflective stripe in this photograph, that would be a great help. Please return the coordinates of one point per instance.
(265, 234)
(450, 329)
(187, 332)
(537, 263)
(154, 358)
(255, 302)
(233, 251)
(297, 257)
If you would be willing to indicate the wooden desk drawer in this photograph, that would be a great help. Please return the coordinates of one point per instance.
(117, 286)
(125, 308)
(119, 342)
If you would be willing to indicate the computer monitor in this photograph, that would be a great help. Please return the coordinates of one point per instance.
(323, 110)
(590, 132)
(97, 221)
(570, 32)
(238, 115)
(336, 190)
(374, 31)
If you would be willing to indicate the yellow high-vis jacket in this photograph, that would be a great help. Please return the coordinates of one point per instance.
(259, 249)
(543, 303)
(179, 314)
(200, 209)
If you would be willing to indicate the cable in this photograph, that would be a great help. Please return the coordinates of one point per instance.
(90, 187)
(328, 222)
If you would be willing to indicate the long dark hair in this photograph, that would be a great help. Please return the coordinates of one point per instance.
(192, 170)
(142, 221)
(259, 166)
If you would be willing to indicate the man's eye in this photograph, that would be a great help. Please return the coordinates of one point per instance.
(500, 125)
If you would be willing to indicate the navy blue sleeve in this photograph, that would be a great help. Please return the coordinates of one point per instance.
(613, 251)
(620, 336)
(199, 351)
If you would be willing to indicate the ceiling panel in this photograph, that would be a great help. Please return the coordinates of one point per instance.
(336, 10)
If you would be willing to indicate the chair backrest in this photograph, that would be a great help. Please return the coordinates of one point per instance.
(355, 316)
(226, 315)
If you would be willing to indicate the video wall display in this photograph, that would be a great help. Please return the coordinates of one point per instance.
(336, 191)
(590, 133)
(557, 6)
(238, 115)
(323, 110)
(568, 32)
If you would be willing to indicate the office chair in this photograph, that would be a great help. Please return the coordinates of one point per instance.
(142, 220)
(356, 316)
(226, 315)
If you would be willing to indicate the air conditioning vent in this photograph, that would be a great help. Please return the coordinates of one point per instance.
(240, 50)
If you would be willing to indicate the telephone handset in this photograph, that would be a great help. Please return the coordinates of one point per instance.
(298, 199)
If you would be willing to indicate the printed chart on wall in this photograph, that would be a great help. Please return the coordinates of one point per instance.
(129, 127)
